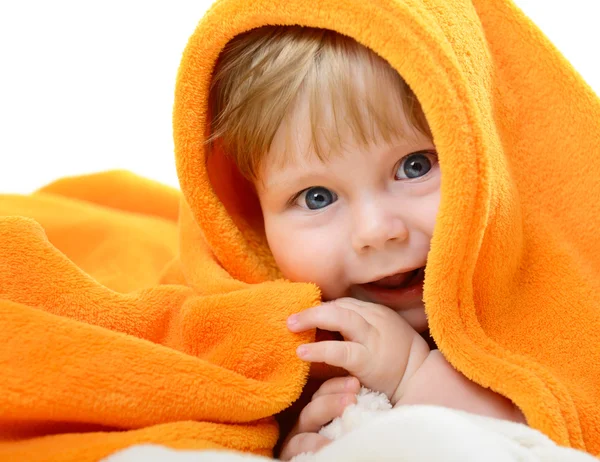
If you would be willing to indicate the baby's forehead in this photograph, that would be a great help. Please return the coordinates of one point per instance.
(307, 132)
(296, 147)
(298, 144)
(299, 161)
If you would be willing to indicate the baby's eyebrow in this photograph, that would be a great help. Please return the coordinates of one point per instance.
(288, 178)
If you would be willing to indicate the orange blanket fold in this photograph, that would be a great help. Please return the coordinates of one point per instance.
(104, 344)
(133, 313)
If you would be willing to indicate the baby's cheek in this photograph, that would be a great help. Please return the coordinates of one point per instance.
(308, 254)
(429, 212)
(306, 261)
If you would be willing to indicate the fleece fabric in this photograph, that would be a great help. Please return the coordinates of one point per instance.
(123, 324)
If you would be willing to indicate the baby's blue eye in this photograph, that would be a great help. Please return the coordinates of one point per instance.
(317, 198)
(415, 165)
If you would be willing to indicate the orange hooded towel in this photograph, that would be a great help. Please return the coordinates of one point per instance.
(124, 322)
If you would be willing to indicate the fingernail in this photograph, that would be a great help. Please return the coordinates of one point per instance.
(349, 383)
(302, 351)
(345, 400)
(292, 320)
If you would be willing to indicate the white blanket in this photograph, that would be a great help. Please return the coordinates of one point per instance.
(404, 434)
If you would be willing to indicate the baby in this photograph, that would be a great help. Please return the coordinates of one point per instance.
(347, 176)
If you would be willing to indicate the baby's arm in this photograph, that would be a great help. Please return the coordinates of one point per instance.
(436, 382)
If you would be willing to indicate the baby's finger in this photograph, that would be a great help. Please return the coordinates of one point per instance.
(301, 443)
(366, 309)
(338, 385)
(351, 356)
(331, 317)
(323, 410)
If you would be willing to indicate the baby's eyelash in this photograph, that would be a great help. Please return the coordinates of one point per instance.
(295, 197)
(431, 152)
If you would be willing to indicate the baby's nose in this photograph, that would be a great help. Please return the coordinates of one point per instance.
(376, 229)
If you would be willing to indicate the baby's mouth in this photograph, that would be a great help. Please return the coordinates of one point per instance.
(399, 280)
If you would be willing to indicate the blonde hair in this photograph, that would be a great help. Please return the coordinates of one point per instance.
(260, 74)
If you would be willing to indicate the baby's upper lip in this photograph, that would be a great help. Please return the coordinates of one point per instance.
(400, 275)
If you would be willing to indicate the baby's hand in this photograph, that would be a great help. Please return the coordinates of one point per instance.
(326, 404)
(380, 347)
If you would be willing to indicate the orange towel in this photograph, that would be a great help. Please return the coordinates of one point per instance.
(109, 338)
(121, 325)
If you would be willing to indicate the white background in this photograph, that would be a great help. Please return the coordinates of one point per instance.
(88, 85)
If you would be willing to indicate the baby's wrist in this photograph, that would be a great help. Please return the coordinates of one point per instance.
(418, 356)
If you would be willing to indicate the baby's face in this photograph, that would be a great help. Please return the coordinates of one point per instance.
(357, 225)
